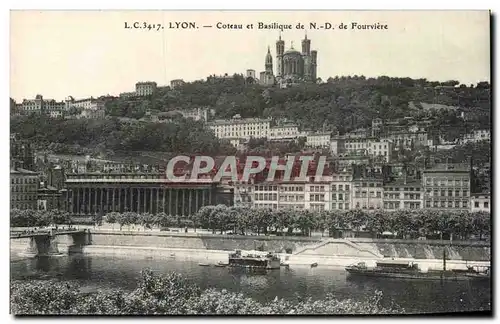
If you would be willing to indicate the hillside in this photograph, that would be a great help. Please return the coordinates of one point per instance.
(341, 104)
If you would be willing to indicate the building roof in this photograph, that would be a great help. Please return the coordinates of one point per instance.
(238, 121)
(449, 167)
(401, 182)
(292, 51)
(21, 171)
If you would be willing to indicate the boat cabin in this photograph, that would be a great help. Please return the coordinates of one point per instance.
(392, 264)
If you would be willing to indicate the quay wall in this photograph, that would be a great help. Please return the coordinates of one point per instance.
(294, 249)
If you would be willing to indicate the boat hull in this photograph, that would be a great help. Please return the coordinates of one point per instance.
(448, 275)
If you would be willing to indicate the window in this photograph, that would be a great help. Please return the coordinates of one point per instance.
(476, 204)
(486, 204)
(334, 187)
(341, 197)
(346, 187)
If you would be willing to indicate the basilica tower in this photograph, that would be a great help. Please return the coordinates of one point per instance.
(280, 49)
(269, 61)
(306, 54)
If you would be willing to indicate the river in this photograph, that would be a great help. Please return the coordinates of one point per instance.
(93, 272)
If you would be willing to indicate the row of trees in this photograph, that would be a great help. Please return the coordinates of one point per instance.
(406, 223)
(172, 294)
(38, 218)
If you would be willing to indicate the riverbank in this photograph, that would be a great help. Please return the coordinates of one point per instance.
(335, 253)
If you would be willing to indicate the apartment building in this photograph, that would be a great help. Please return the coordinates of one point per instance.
(403, 194)
(408, 140)
(447, 187)
(40, 105)
(145, 88)
(362, 146)
(317, 196)
(380, 150)
(23, 189)
(284, 132)
(238, 127)
(480, 202)
(318, 140)
(265, 195)
(84, 104)
(476, 136)
(367, 193)
(292, 195)
(341, 186)
(176, 83)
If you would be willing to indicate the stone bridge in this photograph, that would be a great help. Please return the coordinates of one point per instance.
(44, 242)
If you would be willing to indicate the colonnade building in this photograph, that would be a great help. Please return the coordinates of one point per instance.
(91, 193)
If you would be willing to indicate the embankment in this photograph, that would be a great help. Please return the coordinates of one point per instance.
(294, 250)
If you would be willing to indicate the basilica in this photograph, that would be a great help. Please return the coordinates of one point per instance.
(292, 67)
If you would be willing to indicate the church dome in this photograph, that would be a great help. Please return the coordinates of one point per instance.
(292, 51)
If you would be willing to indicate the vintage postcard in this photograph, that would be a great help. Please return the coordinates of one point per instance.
(250, 162)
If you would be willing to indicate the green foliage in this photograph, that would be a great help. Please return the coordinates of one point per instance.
(172, 294)
(29, 218)
(97, 136)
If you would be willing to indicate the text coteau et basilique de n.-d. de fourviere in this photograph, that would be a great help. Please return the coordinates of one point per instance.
(292, 67)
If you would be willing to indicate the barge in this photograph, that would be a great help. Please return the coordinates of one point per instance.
(410, 270)
(254, 261)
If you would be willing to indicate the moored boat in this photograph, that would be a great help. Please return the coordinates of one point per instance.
(410, 270)
(254, 261)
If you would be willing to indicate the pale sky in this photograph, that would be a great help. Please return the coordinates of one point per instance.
(90, 53)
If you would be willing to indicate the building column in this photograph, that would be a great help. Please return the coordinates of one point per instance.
(210, 196)
(157, 200)
(114, 189)
(145, 195)
(176, 201)
(77, 204)
(90, 201)
(125, 201)
(164, 192)
(190, 195)
(95, 201)
(84, 200)
(196, 199)
(82, 205)
(119, 200)
(170, 201)
(138, 200)
(183, 202)
(107, 200)
(203, 197)
(101, 204)
(131, 199)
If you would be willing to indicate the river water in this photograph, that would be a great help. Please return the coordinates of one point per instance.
(93, 272)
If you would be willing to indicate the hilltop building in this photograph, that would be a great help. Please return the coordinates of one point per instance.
(292, 67)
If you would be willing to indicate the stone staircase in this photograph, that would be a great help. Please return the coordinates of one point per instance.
(347, 242)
